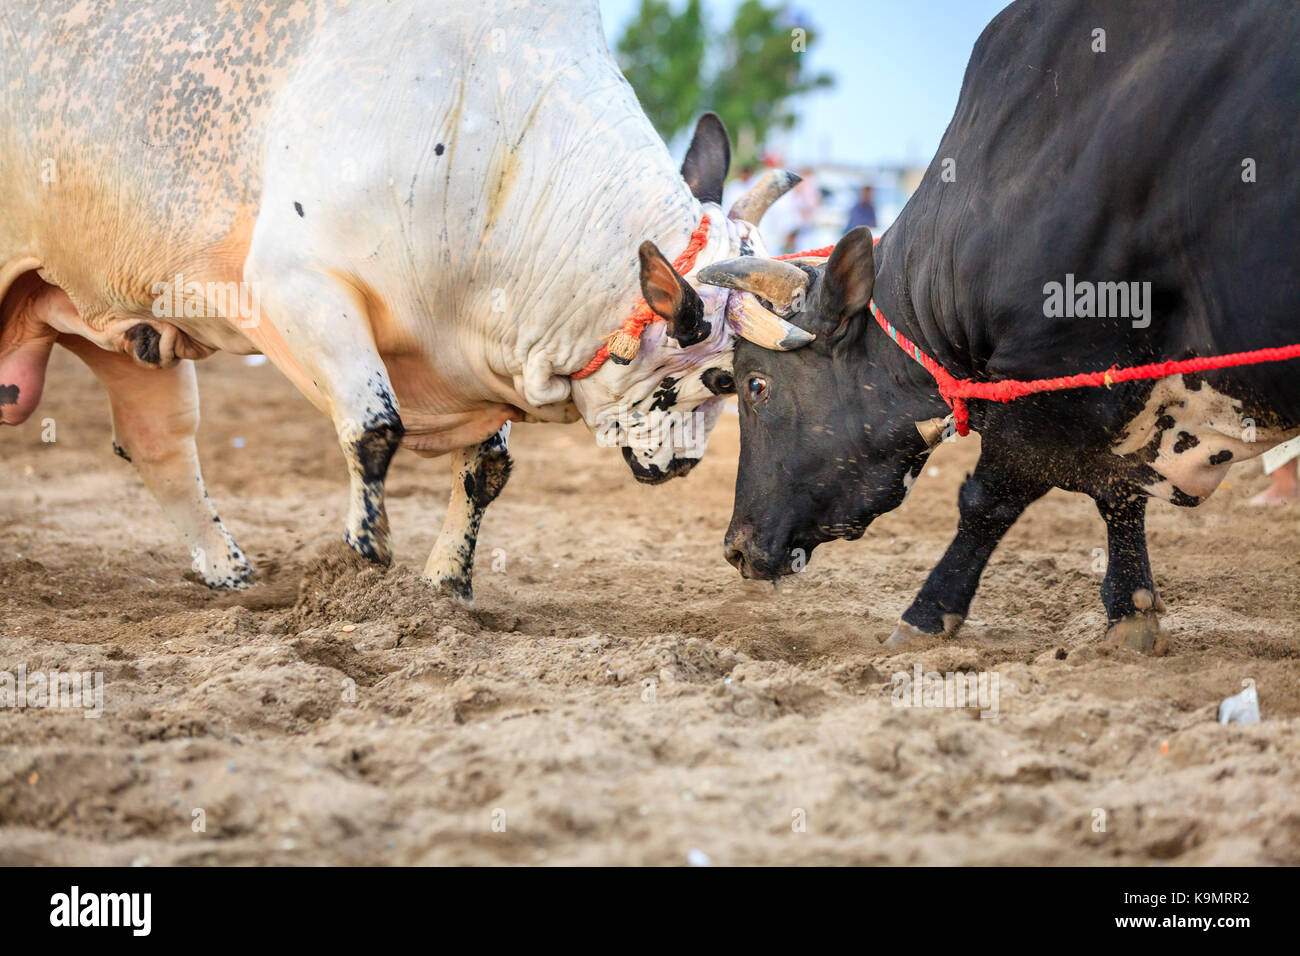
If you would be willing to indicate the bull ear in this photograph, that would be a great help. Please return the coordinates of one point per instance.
(708, 159)
(671, 297)
(850, 276)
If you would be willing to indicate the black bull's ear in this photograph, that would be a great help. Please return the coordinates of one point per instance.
(671, 297)
(849, 278)
(707, 159)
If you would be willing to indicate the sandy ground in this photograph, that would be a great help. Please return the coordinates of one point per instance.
(617, 694)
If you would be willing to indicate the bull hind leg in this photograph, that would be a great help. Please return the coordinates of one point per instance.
(1133, 606)
(316, 329)
(990, 501)
(479, 473)
(155, 417)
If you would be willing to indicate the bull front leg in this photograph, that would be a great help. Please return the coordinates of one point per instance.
(155, 418)
(316, 329)
(990, 501)
(479, 473)
(1133, 605)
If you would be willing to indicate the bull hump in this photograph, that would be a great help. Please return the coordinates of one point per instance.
(155, 117)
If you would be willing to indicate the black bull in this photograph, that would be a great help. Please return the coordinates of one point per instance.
(1162, 151)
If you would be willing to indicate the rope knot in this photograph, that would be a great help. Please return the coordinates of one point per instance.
(623, 344)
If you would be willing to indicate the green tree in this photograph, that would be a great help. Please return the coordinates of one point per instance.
(763, 68)
(661, 54)
(758, 65)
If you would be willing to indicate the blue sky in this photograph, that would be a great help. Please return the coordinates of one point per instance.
(898, 66)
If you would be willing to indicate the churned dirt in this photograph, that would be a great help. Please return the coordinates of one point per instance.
(617, 694)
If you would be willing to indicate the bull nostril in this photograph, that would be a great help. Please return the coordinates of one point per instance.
(736, 557)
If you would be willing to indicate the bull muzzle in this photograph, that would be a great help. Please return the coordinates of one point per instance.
(652, 474)
(755, 563)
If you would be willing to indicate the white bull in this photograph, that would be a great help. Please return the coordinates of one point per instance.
(429, 216)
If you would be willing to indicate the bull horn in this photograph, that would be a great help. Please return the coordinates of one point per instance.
(756, 324)
(771, 186)
(932, 430)
(778, 282)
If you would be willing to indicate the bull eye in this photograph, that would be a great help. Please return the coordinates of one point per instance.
(719, 381)
(757, 388)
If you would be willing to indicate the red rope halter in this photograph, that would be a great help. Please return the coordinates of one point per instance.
(642, 315)
(956, 391)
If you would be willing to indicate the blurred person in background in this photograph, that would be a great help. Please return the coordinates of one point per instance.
(1284, 487)
(863, 212)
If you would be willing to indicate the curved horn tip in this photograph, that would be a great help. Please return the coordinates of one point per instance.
(768, 330)
(768, 188)
(795, 338)
(718, 273)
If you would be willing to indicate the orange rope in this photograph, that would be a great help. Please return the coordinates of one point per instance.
(642, 315)
(823, 253)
